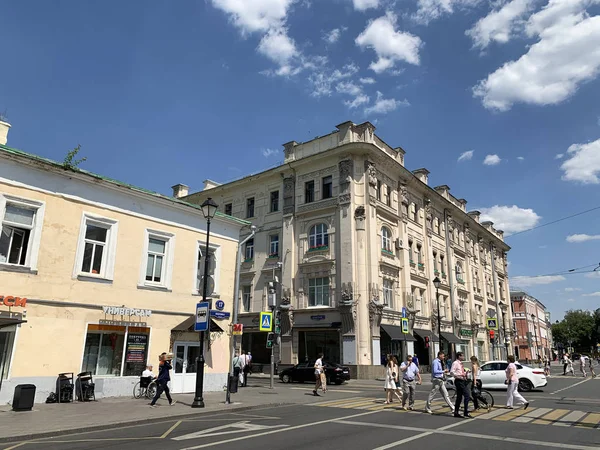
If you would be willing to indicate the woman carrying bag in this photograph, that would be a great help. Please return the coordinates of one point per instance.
(391, 378)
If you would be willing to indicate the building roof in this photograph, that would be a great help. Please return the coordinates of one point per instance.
(48, 163)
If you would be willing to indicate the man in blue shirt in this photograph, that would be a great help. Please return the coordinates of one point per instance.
(437, 380)
(410, 371)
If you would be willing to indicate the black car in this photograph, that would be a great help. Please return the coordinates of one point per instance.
(305, 371)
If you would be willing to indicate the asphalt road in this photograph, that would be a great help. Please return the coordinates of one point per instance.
(566, 414)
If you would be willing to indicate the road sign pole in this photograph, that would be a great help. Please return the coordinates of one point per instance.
(272, 383)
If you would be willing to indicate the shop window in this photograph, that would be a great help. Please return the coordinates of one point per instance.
(327, 187)
(7, 339)
(274, 201)
(246, 297)
(213, 272)
(318, 237)
(97, 247)
(159, 249)
(21, 230)
(115, 351)
(273, 245)
(318, 292)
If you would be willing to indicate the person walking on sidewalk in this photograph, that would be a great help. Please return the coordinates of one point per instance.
(391, 378)
(438, 381)
(512, 381)
(410, 371)
(245, 368)
(237, 366)
(462, 385)
(570, 367)
(565, 363)
(162, 381)
(582, 365)
(318, 371)
(476, 385)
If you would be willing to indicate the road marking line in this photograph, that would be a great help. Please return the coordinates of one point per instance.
(569, 387)
(570, 419)
(532, 415)
(329, 391)
(21, 444)
(551, 417)
(175, 425)
(335, 402)
(511, 415)
(496, 413)
(444, 431)
(590, 421)
(414, 438)
(365, 404)
(266, 433)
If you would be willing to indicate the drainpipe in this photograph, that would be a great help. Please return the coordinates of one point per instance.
(236, 304)
(496, 293)
(451, 275)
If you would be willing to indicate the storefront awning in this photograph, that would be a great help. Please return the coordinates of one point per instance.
(426, 333)
(395, 332)
(188, 325)
(451, 338)
(8, 319)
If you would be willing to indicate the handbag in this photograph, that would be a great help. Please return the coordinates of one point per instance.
(393, 374)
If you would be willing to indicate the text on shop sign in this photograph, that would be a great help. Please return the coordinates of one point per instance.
(9, 300)
(119, 311)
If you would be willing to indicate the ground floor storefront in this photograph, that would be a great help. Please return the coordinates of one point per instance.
(112, 344)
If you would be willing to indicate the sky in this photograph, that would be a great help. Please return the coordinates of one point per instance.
(499, 99)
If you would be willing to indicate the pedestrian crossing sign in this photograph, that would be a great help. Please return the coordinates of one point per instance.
(266, 321)
(405, 326)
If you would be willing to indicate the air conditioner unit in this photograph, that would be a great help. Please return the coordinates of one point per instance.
(398, 244)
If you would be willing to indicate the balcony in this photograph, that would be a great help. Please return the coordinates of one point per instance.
(386, 252)
(412, 263)
(421, 267)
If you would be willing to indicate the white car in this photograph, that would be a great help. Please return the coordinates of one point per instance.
(493, 374)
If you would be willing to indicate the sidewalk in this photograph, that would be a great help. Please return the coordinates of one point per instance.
(51, 419)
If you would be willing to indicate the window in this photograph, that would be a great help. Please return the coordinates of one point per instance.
(412, 212)
(274, 245)
(459, 273)
(274, 201)
(421, 302)
(157, 249)
(249, 253)
(419, 254)
(327, 187)
(228, 208)
(106, 349)
(443, 306)
(7, 340)
(410, 252)
(246, 297)
(318, 236)
(386, 239)
(378, 190)
(213, 259)
(250, 207)
(388, 195)
(97, 247)
(435, 263)
(318, 292)
(21, 231)
(309, 192)
(388, 293)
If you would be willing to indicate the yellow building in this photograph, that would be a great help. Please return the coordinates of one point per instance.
(101, 276)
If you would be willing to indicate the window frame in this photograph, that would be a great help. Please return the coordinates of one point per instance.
(200, 248)
(249, 244)
(243, 294)
(313, 237)
(230, 207)
(107, 271)
(35, 232)
(248, 200)
(322, 293)
(272, 253)
(167, 269)
(327, 187)
(386, 239)
(388, 292)
(388, 198)
(378, 190)
(274, 201)
(309, 188)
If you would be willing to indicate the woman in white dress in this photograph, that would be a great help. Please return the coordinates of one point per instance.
(391, 378)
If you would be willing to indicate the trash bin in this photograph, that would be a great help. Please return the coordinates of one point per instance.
(24, 397)
(233, 384)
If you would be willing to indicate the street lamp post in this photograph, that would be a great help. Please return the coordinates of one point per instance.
(535, 336)
(437, 283)
(209, 208)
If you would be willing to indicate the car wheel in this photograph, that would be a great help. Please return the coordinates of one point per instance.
(286, 378)
(338, 382)
(525, 385)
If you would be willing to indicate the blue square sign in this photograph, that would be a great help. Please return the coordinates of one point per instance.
(202, 316)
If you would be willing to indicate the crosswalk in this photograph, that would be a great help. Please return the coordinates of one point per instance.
(538, 416)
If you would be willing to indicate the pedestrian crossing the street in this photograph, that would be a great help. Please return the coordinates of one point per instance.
(538, 416)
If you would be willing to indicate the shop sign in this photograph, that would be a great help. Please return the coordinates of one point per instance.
(10, 301)
(466, 333)
(136, 348)
(319, 317)
(122, 323)
(122, 311)
(220, 315)
(238, 329)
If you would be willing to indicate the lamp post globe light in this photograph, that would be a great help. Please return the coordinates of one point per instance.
(209, 209)
(437, 283)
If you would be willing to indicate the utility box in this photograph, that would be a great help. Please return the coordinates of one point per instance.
(24, 397)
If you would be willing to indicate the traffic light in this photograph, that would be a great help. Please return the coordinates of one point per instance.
(492, 336)
(426, 341)
(270, 340)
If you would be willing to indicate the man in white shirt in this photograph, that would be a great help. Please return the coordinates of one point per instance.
(318, 371)
(148, 372)
(244, 362)
(582, 365)
(410, 373)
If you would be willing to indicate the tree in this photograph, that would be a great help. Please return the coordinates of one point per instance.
(580, 328)
(70, 162)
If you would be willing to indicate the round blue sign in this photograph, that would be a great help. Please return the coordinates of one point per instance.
(220, 305)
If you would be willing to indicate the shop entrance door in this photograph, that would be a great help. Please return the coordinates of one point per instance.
(184, 367)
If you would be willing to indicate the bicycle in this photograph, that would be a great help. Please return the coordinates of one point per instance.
(484, 397)
(146, 387)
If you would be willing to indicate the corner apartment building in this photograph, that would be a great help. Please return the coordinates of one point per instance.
(101, 276)
(354, 237)
(533, 327)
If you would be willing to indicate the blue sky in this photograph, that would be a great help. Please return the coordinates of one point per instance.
(159, 93)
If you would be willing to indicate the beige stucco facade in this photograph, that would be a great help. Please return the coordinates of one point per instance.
(67, 287)
(350, 220)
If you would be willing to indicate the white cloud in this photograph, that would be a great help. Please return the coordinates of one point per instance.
(566, 55)
(499, 25)
(593, 294)
(571, 289)
(466, 156)
(278, 46)
(322, 81)
(525, 281)
(385, 105)
(520, 158)
(559, 156)
(363, 5)
(511, 219)
(359, 100)
(571, 300)
(583, 162)
(349, 88)
(595, 274)
(367, 80)
(491, 160)
(333, 36)
(256, 15)
(389, 45)
(268, 152)
(429, 10)
(577, 238)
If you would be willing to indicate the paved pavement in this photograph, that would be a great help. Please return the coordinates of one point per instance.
(565, 414)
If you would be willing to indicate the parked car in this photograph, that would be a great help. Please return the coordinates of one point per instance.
(493, 374)
(305, 371)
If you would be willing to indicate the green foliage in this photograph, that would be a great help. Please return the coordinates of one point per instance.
(580, 328)
(70, 162)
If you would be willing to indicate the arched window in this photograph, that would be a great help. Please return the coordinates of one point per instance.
(386, 239)
(318, 236)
